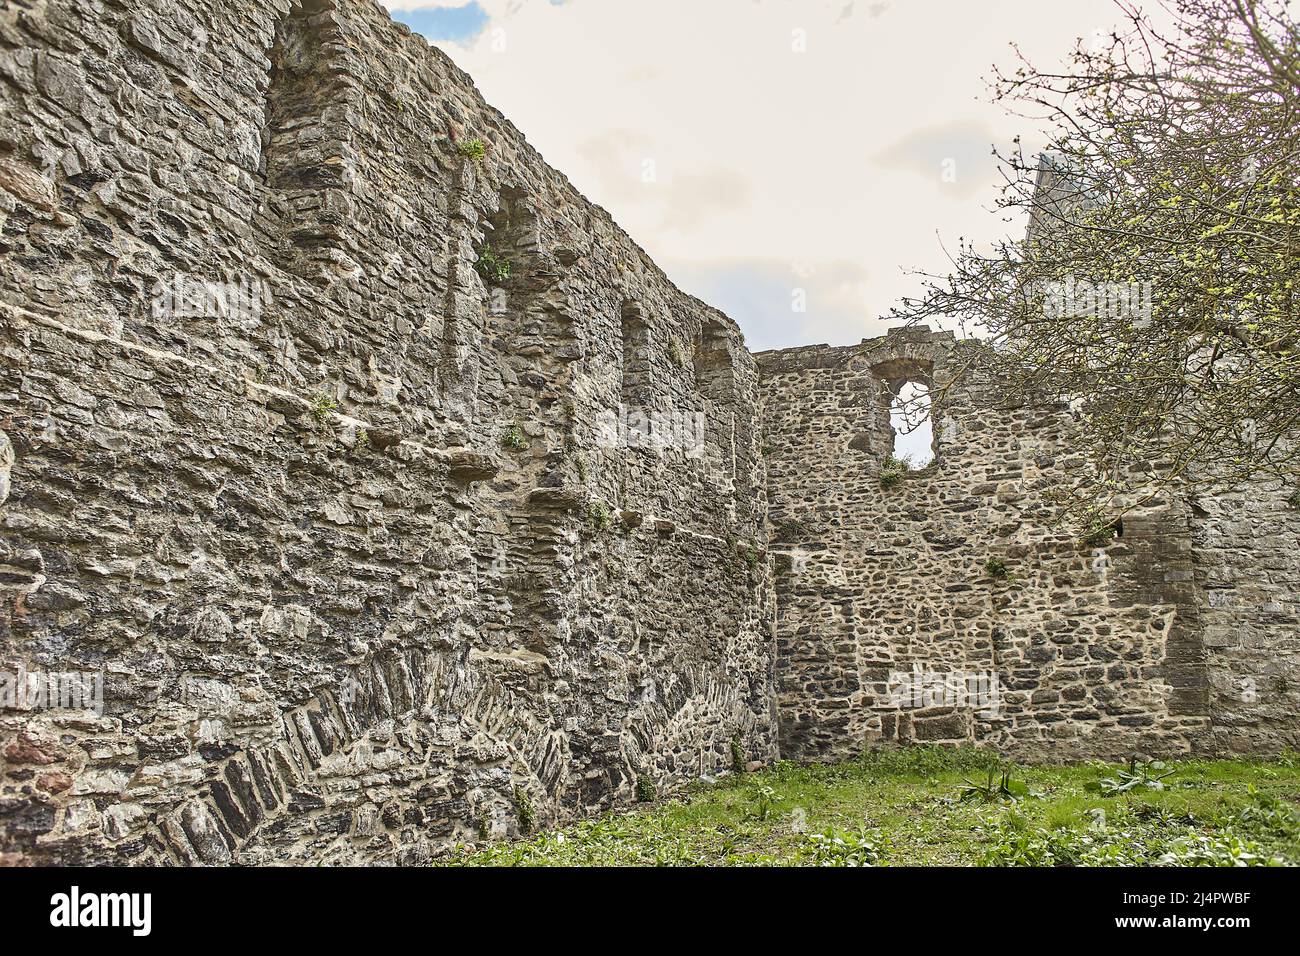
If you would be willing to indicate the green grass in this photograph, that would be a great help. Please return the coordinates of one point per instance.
(908, 808)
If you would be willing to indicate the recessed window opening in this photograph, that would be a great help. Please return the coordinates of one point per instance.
(909, 416)
(714, 375)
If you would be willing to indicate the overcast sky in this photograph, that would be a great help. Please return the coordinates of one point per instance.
(821, 145)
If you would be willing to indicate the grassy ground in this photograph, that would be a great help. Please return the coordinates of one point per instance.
(916, 808)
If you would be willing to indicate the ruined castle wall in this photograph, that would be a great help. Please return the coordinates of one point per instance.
(1095, 651)
(1246, 549)
(361, 544)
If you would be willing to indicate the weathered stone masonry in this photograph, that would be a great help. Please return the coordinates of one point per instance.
(361, 578)
(1180, 634)
(363, 571)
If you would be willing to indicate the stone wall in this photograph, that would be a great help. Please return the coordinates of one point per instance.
(393, 498)
(1177, 635)
(1246, 554)
(364, 564)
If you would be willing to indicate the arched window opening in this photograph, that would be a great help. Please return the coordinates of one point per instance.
(909, 416)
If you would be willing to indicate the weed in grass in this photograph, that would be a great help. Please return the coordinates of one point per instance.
(738, 760)
(1140, 775)
(833, 847)
(994, 789)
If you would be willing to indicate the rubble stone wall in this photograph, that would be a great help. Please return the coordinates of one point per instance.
(312, 428)
(365, 490)
(1177, 635)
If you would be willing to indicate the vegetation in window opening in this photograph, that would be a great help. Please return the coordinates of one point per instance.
(893, 470)
(1100, 532)
(491, 266)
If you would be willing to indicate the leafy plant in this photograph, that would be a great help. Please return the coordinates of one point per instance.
(994, 789)
(1013, 841)
(513, 437)
(492, 266)
(646, 791)
(1099, 532)
(834, 847)
(1138, 776)
(323, 405)
(524, 810)
(1266, 813)
(1294, 500)
(893, 470)
(738, 761)
(598, 516)
(1216, 850)
(996, 568)
(762, 799)
(474, 149)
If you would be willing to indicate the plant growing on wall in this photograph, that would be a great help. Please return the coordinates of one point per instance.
(792, 529)
(893, 470)
(513, 437)
(1099, 532)
(492, 267)
(524, 810)
(646, 792)
(598, 516)
(738, 761)
(473, 149)
(996, 568)
(323, 405)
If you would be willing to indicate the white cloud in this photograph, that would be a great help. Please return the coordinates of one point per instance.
(766, 155)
